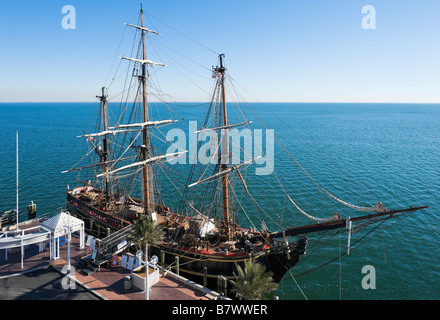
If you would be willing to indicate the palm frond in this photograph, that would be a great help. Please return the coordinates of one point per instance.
(253, 282)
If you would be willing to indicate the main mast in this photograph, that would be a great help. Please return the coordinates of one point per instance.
(145, 150)
(145, 138)
(225, 148)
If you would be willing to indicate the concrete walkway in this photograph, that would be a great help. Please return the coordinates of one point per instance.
(108, 283)
(42, 284)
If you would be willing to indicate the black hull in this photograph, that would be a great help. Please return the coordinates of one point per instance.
(278, 260)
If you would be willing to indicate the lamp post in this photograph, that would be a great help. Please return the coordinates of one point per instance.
(69, 239)
(152, 263)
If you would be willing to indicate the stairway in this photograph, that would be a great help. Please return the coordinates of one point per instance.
(115, 242)
(109, 246)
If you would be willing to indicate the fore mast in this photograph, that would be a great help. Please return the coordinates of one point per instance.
(104, 155)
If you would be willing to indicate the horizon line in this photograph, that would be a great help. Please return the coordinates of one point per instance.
(370, 102)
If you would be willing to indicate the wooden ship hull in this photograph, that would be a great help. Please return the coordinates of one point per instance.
(204, 261)
(182, 252)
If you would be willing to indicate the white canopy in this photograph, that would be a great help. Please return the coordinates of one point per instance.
(60, 223)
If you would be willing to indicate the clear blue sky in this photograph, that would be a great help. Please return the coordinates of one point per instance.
(281, 50)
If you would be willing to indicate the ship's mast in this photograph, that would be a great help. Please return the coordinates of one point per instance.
(145, 138)
(104, 155)
(145, 149)
(225, 148)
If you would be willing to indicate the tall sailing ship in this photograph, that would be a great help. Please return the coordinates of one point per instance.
(207, 232)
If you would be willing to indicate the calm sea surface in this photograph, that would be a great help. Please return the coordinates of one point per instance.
(363, 153)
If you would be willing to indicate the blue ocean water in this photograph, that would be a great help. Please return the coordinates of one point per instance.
(363, 153)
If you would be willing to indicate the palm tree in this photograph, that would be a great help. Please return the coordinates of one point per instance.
(145, 233)
(253, 283)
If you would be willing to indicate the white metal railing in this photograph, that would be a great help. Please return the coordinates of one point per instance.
(16, 238)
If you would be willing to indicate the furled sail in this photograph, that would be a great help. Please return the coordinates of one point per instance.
(141, 163)
(143, 124)
(224, 127)
(379, 207)
(144, 61)
(103, 133)
(142, 28)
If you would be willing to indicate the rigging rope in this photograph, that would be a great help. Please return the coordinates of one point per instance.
(203, 46)
(366, 235)
(378, 207)
(188, 202)
(297, 285)
(334, 217)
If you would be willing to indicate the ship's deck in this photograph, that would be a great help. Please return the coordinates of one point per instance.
(180, 229)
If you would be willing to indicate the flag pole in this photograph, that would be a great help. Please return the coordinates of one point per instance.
(16, 228)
